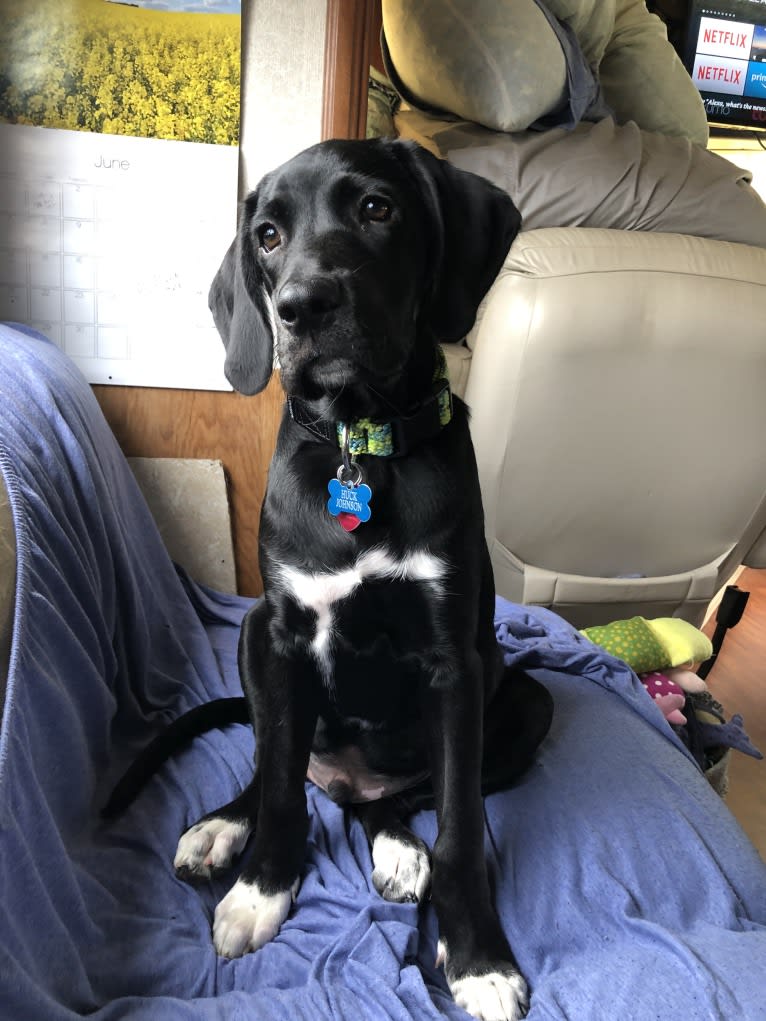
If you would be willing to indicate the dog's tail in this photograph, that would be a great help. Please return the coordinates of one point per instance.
(219, 713)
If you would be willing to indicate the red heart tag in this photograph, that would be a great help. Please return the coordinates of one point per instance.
(348, 521)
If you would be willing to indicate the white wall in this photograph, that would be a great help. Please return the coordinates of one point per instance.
(283, 68)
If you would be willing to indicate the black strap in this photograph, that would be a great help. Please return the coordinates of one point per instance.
(302, 414)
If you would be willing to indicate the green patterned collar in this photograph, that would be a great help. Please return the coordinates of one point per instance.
(394, 438)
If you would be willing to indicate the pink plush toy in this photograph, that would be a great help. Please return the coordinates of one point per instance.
(667, 694)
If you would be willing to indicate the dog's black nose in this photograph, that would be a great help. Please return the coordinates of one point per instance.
(302, 304)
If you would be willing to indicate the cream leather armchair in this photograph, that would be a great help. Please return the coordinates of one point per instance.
(617, 387)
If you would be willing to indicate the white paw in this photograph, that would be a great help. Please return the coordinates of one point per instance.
(246, 919)
(209, 845)
(496, 996)
(402, 870)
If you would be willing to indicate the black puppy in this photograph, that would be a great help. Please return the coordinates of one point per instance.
(371, 665)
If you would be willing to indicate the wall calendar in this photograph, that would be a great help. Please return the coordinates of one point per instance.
(118, 181)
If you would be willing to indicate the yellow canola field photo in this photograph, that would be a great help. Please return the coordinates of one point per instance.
(113, 68)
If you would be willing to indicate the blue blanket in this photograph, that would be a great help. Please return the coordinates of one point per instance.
(626, 887)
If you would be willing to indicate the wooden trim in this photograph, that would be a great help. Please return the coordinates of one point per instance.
(351, 41)
(239, 431)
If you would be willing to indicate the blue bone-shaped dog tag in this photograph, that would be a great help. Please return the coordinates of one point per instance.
(350, 504)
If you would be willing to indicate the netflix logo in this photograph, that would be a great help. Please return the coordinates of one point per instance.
(717, 74)
(717, 37)
(724, 39)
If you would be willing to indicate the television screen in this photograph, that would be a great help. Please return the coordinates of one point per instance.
(725, 55)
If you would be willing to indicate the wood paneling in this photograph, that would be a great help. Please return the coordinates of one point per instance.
(738, 681)
(351, 45)
(239, 431)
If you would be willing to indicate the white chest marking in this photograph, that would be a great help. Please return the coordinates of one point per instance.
(319, 591)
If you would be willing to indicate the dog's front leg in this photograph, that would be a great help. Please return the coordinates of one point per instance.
(280, 690)
(481, 970)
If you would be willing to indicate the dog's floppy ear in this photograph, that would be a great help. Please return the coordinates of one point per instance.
(474, 224)
(238, 304)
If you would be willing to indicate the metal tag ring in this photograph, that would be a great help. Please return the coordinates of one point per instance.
(349, 475)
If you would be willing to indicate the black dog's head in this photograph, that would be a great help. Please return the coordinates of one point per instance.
(349, 254)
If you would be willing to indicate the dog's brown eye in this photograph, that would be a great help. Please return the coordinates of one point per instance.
(269, 237)
(375, 208)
